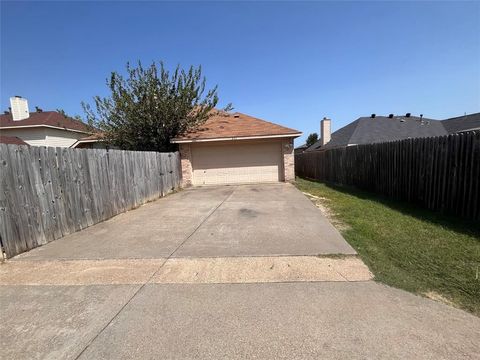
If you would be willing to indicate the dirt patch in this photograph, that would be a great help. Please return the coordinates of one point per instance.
(323, 205)
(438, 297)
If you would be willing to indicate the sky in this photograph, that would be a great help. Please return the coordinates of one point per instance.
(291, 63)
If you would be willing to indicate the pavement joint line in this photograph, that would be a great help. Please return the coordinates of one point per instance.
(149, 279)
(201, 223)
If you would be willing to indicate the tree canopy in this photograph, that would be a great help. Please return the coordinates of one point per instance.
(312, 139)
(151, 105)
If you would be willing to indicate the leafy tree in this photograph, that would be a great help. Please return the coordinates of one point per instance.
(152, 105)
(312, 139)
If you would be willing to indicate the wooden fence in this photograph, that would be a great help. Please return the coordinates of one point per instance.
(439, 173)
(47, 192)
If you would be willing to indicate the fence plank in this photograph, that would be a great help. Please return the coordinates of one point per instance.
(441, 173)
(47, 193)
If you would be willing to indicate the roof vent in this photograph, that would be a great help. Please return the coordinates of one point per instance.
(407, 115)
(390, 116)
(373, 116)
(236, 115)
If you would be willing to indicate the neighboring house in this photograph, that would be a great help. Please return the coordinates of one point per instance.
(300, 149)
(237, 148)
(41, 128)
(376, 129)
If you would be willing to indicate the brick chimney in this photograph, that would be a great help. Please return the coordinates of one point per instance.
(19, 107)
(325, 130)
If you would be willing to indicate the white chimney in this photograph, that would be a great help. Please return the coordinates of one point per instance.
(325, 130)
(19, 107)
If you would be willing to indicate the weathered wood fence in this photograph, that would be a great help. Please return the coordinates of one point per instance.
(47, 193)
(439, 173)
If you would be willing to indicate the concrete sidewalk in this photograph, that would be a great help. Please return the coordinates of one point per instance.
(302, 320)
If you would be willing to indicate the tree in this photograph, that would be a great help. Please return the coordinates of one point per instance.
(312, 139)
(150, 106)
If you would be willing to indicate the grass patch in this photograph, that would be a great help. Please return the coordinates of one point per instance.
(414, 249)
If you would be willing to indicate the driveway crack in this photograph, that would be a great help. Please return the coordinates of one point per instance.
(152, 276)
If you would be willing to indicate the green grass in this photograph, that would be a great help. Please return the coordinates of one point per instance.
(407, 247)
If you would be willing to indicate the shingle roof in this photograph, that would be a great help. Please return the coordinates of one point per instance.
(367, 130)
(45, 118)
(236, 125)
(462, 123)
(12, 140)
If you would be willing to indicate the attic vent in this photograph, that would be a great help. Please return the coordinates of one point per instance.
(390, 116)
(373, 116)
(407, 115)
(236, 115)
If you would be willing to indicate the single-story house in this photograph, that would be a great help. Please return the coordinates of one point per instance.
(376, 129)
(234, 148)
(41, 128)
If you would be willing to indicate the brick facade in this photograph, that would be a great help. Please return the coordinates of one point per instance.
(288, 160)
(186, 161)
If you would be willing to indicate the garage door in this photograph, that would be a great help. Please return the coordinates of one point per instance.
(236, 163)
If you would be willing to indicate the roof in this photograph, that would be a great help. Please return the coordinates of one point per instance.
(12, 140)
(45, 118)
(368, 130)
(227, 126)
(462, 123)
(97, 137)
(303, 146)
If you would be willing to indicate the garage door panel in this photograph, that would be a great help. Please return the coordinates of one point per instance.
(236, 163)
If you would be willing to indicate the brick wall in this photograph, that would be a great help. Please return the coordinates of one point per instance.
(288, 160)
(186, 161)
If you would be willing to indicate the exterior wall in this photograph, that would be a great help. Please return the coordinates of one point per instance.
(61, 138)
(45, 136)
(32, 136)
(186, 162)
(287, 154)
(288, 160)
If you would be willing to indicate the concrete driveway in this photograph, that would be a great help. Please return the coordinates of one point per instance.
(229, 272)
(249, 220)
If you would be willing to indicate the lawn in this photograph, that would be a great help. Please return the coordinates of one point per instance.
(407, 247)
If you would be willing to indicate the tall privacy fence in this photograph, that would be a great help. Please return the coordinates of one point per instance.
(439, 173)
(47, 193)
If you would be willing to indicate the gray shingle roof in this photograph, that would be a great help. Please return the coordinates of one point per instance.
(367, 130)
(462, 123)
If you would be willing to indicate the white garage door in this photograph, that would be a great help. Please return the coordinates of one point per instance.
(236, 163)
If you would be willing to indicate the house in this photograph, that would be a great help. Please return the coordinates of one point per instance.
(41, 128)
(376, 129)
(300, 149)
(236, 148)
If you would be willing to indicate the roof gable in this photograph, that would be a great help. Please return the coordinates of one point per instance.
(223, 125)
(45, 118)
